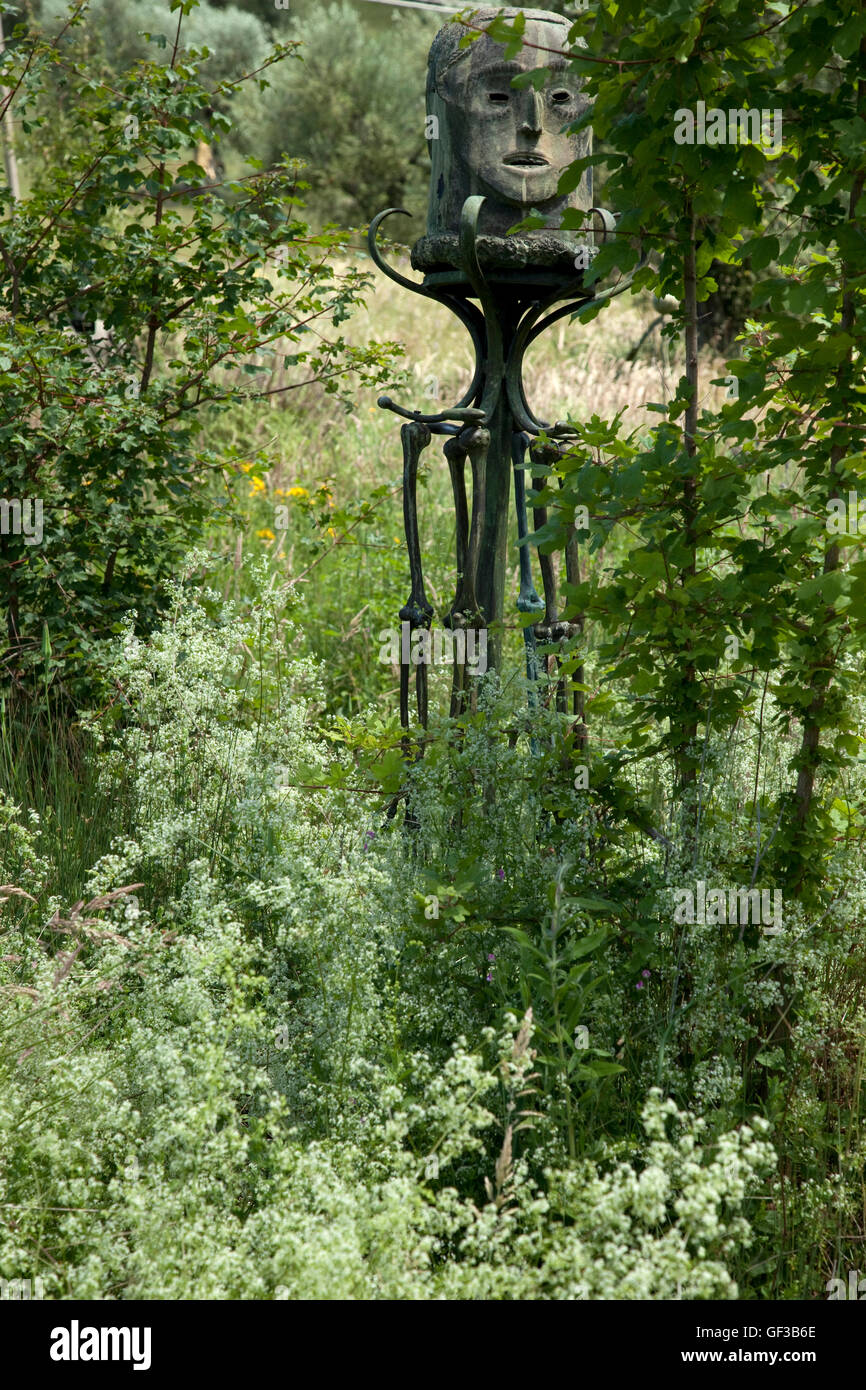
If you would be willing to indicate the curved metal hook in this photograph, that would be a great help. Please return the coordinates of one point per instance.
(469, 215)
(608, 222)
(495, 363)
(467, 417)
(473, 322)
(467, 313)
(376, 254)
(514, 366)
(575, 307)
(530, 329)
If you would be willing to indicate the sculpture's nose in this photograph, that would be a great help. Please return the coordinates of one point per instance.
(532, 111)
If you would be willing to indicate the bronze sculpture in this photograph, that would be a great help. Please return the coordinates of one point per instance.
(506, 144)
(497, 153)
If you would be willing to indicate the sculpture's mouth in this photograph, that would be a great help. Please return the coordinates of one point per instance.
(526, 159)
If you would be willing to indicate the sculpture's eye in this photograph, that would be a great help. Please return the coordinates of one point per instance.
(560, 98)
(498, 98)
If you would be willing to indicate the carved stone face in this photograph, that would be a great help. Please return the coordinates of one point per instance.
(494, 139)
(512, 139)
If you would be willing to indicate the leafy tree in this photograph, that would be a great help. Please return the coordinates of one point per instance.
(354, 110)
(198, 289)
(120, 33)
(727, 504)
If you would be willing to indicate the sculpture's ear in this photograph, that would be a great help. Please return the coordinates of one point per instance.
(447, 191)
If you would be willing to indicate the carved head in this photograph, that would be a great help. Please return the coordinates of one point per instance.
(493, 139)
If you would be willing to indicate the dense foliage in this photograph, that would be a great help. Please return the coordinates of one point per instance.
(199, 290)
(476, 1050)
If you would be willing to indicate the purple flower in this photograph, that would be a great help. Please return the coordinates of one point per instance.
(490, 955)
(646, 974)
(639, 984)
(489, 977)
(500, 874)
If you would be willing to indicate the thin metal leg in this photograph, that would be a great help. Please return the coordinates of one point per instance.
(528, 600)
(477, 443)
(454, 450)
(541, 456)
(472, 443)
(417, 611)
(572, 575)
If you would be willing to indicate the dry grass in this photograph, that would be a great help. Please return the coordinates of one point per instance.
(574, 368)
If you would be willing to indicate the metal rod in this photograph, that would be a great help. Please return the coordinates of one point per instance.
(528, 600)
(417, 611)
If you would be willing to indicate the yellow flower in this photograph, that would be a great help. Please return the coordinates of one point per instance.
(397, 540)
(278, 492)
(298, 492)
(246, 467)
(332, 532)
(266, 534)
(257, 485)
